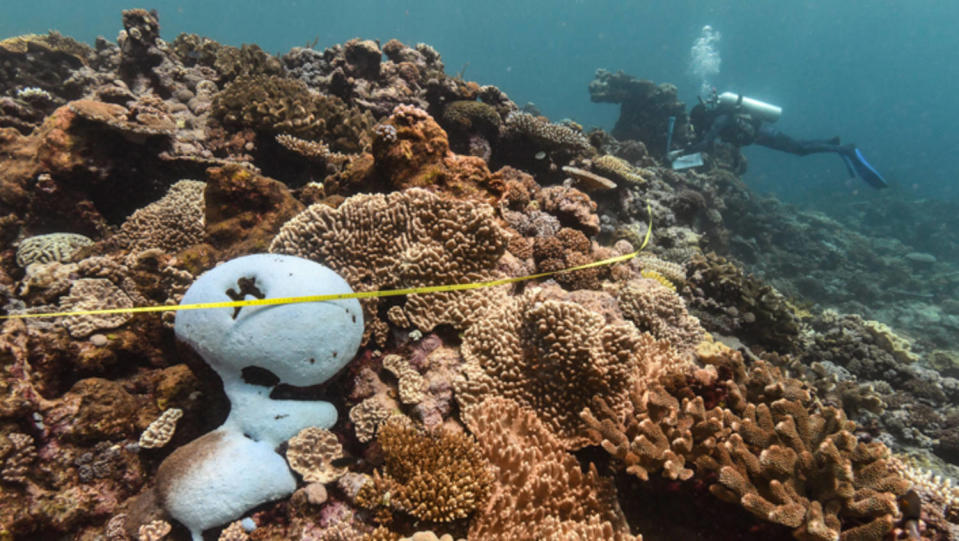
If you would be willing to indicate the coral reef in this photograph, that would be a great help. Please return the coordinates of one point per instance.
(744, 377)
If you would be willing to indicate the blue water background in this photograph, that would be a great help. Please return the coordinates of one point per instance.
(883, 74)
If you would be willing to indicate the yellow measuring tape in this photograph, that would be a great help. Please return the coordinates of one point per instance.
(338, 296)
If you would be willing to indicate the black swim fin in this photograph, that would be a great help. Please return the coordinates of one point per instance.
(857, 165)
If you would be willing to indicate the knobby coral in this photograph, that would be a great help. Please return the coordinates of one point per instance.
(552, 356)
(404, 239)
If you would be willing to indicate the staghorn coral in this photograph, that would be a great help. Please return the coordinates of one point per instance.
(312, 453)
(404, 239)
(171, 223)
(434, 476)
(50, 247)
(551, 356)
(539, 491)
(659, 311)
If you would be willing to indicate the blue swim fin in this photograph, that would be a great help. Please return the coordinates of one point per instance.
(856, 163)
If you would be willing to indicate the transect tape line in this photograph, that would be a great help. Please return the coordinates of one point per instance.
(338, 296)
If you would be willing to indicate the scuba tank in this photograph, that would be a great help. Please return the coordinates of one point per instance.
(760, 109)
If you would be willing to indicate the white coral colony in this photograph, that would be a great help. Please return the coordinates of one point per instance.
(216, 478)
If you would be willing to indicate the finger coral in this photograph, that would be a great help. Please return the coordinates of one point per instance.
(772, 449)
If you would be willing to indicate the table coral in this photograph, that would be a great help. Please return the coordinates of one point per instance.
(404, 239)
(539, 491)
(279, 105)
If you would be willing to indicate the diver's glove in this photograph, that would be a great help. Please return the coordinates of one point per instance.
(673, 154)
(857, 165)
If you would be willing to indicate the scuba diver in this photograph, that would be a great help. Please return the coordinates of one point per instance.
(743, 121)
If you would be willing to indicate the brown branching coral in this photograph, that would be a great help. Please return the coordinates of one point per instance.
(552, 356)
(404, 239)
(773, 450)
(539, 490)
(410, 149)
(438, 477)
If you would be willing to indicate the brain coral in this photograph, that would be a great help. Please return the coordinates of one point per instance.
(50, 247)
(552, 356)
(404, 239)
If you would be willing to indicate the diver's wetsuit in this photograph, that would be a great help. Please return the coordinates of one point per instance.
(738, 127)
